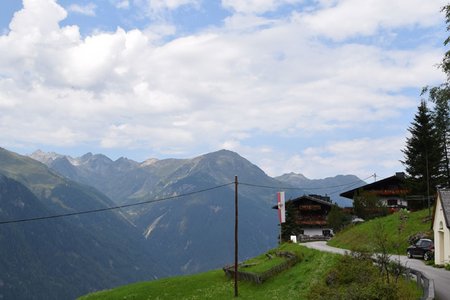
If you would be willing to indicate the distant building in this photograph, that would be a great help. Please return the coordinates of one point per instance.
(441, 228)
(392, 192)
(306, 217)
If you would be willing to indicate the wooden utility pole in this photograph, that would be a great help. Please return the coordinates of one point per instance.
(236, 236)
(428, 184)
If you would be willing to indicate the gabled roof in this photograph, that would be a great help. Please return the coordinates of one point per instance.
(315, 198)
(396, 180)
(444, 195)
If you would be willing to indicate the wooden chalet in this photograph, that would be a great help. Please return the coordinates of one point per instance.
(306, 217)
(391, 191)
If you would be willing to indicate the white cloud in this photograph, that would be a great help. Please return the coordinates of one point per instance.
(158, 9)
(42, 16)
(87, 9)
(170, 4)
(122, 4)
(362, 157)
(349, 18)
(214, 89)
(255, 6)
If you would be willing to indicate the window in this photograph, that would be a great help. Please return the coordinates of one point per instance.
(426, 244)
(392, 202)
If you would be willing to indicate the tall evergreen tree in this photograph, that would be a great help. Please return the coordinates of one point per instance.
(441, 116)
(423, 153)
(445, 65)
(440, 96)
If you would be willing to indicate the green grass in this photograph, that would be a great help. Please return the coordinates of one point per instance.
(262, 263)
(359, 278)
(291, 284)
(357, 236)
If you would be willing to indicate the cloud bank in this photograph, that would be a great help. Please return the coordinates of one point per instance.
(324, 78)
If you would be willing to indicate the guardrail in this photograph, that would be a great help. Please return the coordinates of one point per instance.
(425, 283)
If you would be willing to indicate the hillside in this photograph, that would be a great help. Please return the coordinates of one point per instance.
(193, 233)
(291, 284)
(361, 235)
(62, 258)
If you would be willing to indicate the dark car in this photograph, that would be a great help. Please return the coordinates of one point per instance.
(422, 248)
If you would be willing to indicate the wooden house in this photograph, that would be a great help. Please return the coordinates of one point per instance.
(306, 216)
(391, 191)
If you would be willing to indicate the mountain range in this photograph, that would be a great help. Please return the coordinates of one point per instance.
(61, 258)
(177, 217)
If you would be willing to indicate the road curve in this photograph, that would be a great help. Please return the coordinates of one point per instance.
(441, 277)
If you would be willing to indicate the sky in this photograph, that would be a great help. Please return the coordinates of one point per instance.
(318, 87)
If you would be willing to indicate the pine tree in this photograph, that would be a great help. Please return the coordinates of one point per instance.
(440, 96)
(423, 153)
(441, 118)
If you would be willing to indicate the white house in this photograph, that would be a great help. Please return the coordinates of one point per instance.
(441, 228)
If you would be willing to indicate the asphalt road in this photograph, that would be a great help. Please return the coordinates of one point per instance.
(441, 277)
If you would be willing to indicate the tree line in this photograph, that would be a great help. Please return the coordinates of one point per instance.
(427, 150)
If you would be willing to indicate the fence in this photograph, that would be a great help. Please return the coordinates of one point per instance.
(426, 284)
(259, 278)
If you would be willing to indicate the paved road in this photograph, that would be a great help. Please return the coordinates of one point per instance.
(441, 277)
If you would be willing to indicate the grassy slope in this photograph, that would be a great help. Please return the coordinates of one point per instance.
(355, 236)
(291, 284)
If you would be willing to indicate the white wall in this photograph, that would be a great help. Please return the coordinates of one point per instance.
(313, 231)
(441, 237)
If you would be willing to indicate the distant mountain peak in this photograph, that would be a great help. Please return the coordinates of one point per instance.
(148, 162)
(87, 156)
(299, 176)
(45, 157)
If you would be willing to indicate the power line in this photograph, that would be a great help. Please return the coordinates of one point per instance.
(303, 188)
(170, 198)
(341, 189)
(114, 207)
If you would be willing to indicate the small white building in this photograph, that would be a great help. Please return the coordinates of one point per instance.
(441, 228)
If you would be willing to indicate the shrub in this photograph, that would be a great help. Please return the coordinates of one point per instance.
(356, 277)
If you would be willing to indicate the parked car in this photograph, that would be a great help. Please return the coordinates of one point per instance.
(422, 248)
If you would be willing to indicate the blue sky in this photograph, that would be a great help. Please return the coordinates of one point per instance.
(318, 87)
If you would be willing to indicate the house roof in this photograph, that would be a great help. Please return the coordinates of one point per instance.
(397, 180)
(316, 198)
(444, 195)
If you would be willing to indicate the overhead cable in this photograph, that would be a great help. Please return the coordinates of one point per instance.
(114, 207)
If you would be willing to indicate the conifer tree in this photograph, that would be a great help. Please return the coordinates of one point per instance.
(441, 118)
(440, 96)
(423, 153)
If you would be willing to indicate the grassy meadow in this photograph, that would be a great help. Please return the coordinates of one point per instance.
(294, 283)
(361, 235)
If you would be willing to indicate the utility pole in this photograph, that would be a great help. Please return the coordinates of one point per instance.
(428, 183)
(236, 236)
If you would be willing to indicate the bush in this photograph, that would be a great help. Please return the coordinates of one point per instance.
(412, 239)
(356, 277)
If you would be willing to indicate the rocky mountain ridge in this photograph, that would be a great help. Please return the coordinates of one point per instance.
(190, 231)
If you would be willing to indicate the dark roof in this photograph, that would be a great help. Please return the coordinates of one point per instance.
(396, 180)
(444, 195)
(316, 198)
